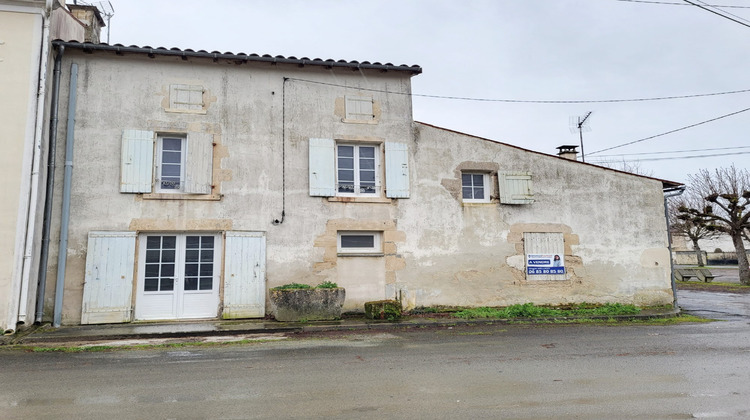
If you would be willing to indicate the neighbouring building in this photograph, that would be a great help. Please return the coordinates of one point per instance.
(26, 27)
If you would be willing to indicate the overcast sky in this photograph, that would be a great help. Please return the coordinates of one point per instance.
(525, 50)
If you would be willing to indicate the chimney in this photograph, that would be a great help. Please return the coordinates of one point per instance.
(91, 19)
(567, 152)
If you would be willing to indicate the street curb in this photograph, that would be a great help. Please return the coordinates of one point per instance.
(40, 335)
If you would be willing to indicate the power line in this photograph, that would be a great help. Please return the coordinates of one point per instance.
(723, 11)
(717, 13)
(681, 4)
(671, 131)
(673, 157)
(525, 101)
(676, 151)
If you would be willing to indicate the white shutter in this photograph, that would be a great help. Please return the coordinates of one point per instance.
(108, 281)
(199, 163)
(396, 170)
(187, 97)
(322, 168)
(359, 108)
(515, 187)
(244, 275)
(544, 243)
(136, 161)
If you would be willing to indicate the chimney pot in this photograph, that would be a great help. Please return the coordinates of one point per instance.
(567, 152)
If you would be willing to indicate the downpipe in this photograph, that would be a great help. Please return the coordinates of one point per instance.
(62, 252)
(49, 193)
(34, 192)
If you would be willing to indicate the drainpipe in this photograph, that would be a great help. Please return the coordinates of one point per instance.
(51, 153)
(671, 192)
(62, 251)
(34, 192)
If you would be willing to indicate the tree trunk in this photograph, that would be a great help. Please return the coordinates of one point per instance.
(698, 253)
(739, 247)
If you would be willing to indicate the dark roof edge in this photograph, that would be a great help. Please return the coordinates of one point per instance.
(665, 183)
(176, 52)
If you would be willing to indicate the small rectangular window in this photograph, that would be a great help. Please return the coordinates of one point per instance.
(475, 187)
(360, 243)
(359, 108)
(171, 163)
(186, 98)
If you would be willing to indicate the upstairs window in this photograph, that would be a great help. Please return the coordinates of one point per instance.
(359, 109)
(171, 166)
(357, 169)
(475, 187)
(186, 98)
(166, 163)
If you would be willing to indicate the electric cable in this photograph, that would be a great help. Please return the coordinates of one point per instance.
(671, 131)
(524, 101)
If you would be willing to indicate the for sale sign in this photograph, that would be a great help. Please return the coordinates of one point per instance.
(545, 264)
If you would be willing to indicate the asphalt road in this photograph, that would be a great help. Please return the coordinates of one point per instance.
(495, 371)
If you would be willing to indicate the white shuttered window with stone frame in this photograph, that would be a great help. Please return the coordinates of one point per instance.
(183, 163)
(326, 170)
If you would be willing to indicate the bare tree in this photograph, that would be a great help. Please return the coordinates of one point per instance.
(694, 227)
(727, 192)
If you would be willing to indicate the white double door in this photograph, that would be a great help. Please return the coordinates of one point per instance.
(178, 276)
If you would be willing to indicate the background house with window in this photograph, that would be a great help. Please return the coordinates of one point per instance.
(200, 180)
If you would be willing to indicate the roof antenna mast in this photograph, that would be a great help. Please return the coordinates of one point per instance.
(579, 124)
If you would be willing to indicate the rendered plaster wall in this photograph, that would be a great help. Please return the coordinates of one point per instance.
(20, 40)
(472, 254)
(255, 118)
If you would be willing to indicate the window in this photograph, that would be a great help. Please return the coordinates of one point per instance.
(545, 255)
(359, 108)
(171, 167)
(475, 187)
(357, 169)
(177, 163)
(186, 98)
(360, 243)
(515, 187)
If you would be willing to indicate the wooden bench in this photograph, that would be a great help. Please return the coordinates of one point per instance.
(702, 274)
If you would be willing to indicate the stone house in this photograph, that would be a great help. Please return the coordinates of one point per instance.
(199, 180)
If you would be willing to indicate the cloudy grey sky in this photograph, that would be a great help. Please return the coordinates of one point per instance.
(526, 50)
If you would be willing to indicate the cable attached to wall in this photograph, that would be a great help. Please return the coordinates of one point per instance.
(277, 222)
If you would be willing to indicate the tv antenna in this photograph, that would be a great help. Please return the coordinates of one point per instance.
(106, 9)
(579, 124)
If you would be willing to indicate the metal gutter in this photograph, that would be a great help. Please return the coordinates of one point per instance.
(51, 153)
(242, 57)
(62, 252)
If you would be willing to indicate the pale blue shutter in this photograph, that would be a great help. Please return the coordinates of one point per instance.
(515, 187)
(244, 275)
(108, 281)
(136, 161)
(322, 168)
(396, 170)
(199, 163)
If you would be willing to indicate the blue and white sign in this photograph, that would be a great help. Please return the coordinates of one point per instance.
(545, 264)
